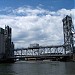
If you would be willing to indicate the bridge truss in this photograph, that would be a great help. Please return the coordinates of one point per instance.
(41, 50)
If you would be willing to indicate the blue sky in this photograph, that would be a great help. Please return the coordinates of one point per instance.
(46, 4)
(36, 21)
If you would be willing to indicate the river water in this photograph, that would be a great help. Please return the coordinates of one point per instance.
(38, 68)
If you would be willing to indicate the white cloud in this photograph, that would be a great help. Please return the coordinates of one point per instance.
(30, 11)
(36, 25)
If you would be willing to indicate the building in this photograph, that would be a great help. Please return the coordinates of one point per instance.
(35, 45)
(7, 36)
(2, 43)
(12, 48)
(6, 44)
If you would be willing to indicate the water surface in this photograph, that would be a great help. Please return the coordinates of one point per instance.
(38, 68)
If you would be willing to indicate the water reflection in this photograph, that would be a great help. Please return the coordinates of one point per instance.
(6, 69)
(70, 68)
(38, 68)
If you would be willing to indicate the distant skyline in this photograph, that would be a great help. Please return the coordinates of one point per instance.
(36, 21)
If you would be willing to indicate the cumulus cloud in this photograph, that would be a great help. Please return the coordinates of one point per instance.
(37, 25)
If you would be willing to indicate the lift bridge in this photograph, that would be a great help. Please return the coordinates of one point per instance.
(54, 52)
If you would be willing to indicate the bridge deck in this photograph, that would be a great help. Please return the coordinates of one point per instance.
(39, 56)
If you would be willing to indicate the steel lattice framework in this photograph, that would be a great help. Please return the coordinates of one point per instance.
(41, 50)
(68, 29)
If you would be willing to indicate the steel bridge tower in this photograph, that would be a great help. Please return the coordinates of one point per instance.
(68, 34)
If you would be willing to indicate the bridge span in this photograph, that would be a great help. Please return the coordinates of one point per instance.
(56, 52)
